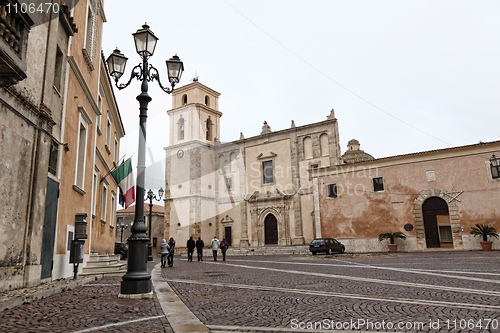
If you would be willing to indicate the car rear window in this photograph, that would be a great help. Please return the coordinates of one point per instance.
(318, 242)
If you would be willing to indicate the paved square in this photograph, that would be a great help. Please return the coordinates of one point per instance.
(405, 292)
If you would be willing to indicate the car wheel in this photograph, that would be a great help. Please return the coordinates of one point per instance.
(122, 256)
(329, 251)
(342, 250)
(314, 253)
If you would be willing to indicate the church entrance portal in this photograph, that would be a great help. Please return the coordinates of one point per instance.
(271, 229)
(437, 223)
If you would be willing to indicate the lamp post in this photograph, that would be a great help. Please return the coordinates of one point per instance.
(137, 280)
(122, 225)
(150, 197)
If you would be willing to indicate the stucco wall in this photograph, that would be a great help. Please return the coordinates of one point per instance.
(461, 177)
(24, 150)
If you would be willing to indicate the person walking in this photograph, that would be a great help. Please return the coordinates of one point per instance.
(164, 252)
(215, 247)
(190, 247)
(199, 248)
(224, 245)
(170, 257)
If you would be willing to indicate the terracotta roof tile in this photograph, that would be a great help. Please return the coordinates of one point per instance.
(434, 150)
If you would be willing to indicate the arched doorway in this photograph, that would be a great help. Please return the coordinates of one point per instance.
(270, 229)
(437, 223)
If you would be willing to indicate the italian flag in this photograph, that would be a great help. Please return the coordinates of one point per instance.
(124, 176)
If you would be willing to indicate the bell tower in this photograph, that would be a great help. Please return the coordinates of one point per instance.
(190, 177)
(195, 114)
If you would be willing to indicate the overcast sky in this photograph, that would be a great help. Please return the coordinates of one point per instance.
(402, 76)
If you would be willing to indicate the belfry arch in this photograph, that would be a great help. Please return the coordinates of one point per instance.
(435, 205)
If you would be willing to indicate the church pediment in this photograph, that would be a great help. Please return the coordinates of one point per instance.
(261, 156)
(268, 196)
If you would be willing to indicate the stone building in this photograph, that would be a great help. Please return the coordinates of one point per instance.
(434, 197)
(290, 186)
(59, 137)
(91, 136)
(254, 191)
(125, 220)
(33, 49)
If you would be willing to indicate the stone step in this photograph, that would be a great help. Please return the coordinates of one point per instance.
(258, 250)
(104, 257)
(99, 263)
(269, 250)
(120, 267)
(104, 265)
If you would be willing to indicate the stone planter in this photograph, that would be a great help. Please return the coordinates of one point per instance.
(486, 245)
(392, 247)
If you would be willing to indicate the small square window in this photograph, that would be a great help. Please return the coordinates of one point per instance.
(495, 171)
(378, 184)
(332, 190)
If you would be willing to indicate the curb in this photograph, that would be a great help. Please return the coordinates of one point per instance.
(181, 319)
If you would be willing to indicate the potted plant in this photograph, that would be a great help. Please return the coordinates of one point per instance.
(485, 231)
(391, 236)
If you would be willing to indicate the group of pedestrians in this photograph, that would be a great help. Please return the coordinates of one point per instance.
(191, 244)
(215, 245)
(167, 252)
(167, 249)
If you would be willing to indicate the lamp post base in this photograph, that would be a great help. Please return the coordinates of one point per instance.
(136, 296)
(135, 287)
(137, 280)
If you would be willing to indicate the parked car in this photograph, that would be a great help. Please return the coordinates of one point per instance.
(327, 245)
(121, 249)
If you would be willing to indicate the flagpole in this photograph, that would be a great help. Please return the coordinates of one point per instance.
(114, 168)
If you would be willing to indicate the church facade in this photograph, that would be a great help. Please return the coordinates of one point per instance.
(290, 186)
(253, 191)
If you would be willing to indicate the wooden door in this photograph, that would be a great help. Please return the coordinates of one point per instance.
(271, 229)
(49, 228)
(227, 235)
(431, 208)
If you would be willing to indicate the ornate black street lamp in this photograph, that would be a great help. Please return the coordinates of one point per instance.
(122, 225)
(137, 280)
(150, 197)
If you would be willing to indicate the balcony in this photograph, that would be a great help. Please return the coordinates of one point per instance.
(14, 30)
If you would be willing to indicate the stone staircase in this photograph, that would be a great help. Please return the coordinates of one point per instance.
(104, 265)
(269, 250)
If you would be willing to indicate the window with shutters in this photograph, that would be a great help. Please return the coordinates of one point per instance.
(90, 35)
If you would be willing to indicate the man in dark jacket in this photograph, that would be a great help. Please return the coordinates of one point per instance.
(199, 248)
(190, 247)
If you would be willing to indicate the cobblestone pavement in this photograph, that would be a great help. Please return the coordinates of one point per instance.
(91, 307)
(404, 292)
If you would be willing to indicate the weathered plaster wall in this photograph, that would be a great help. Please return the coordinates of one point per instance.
(358, 215)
